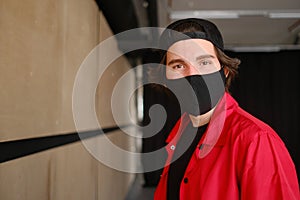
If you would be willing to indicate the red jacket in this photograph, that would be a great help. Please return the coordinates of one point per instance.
(239, 157)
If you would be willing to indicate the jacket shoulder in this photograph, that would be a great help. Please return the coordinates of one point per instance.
(248, 128)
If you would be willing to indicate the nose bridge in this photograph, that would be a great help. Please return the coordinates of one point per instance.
(192, 69)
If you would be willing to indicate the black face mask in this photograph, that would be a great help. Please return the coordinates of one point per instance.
(198, 94)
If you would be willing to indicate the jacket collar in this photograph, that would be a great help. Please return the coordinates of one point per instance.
(214, 136)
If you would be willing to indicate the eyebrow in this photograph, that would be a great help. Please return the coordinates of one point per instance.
(197, 59)
(205, 56)
(175, 61)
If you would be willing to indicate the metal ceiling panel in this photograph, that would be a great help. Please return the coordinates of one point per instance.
(242, 23)
(234, 4)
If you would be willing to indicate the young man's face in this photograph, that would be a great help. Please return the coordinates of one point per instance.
(191, 57)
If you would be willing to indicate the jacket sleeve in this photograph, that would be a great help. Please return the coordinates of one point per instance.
(269, 172)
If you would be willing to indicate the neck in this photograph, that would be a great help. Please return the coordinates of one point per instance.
(201, 120)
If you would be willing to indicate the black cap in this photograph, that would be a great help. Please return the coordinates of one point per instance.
(191, 28)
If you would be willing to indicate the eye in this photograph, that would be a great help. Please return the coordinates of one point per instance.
(205, 62)
(178, 66)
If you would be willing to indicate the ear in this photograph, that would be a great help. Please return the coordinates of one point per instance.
(226, 71)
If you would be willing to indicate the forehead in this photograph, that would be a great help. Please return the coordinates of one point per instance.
(191, 48)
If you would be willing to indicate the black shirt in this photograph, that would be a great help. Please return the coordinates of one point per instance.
(183, 151)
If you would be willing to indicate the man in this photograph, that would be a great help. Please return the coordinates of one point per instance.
(216, 150)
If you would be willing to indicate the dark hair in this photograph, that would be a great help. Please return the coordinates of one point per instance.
(230, 65)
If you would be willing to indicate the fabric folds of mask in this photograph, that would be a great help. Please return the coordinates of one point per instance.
(198, 94)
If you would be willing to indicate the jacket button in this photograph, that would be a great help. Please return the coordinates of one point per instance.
(185, 180)
(172, 147)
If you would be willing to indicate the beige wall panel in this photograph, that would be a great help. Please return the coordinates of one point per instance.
(44, 44)
(80, 36)
(106, 87)
(114, 184)
(68, 172)
(105, 31)
(73, 173)
(112, 74)
(26, 178)
(30, 74)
